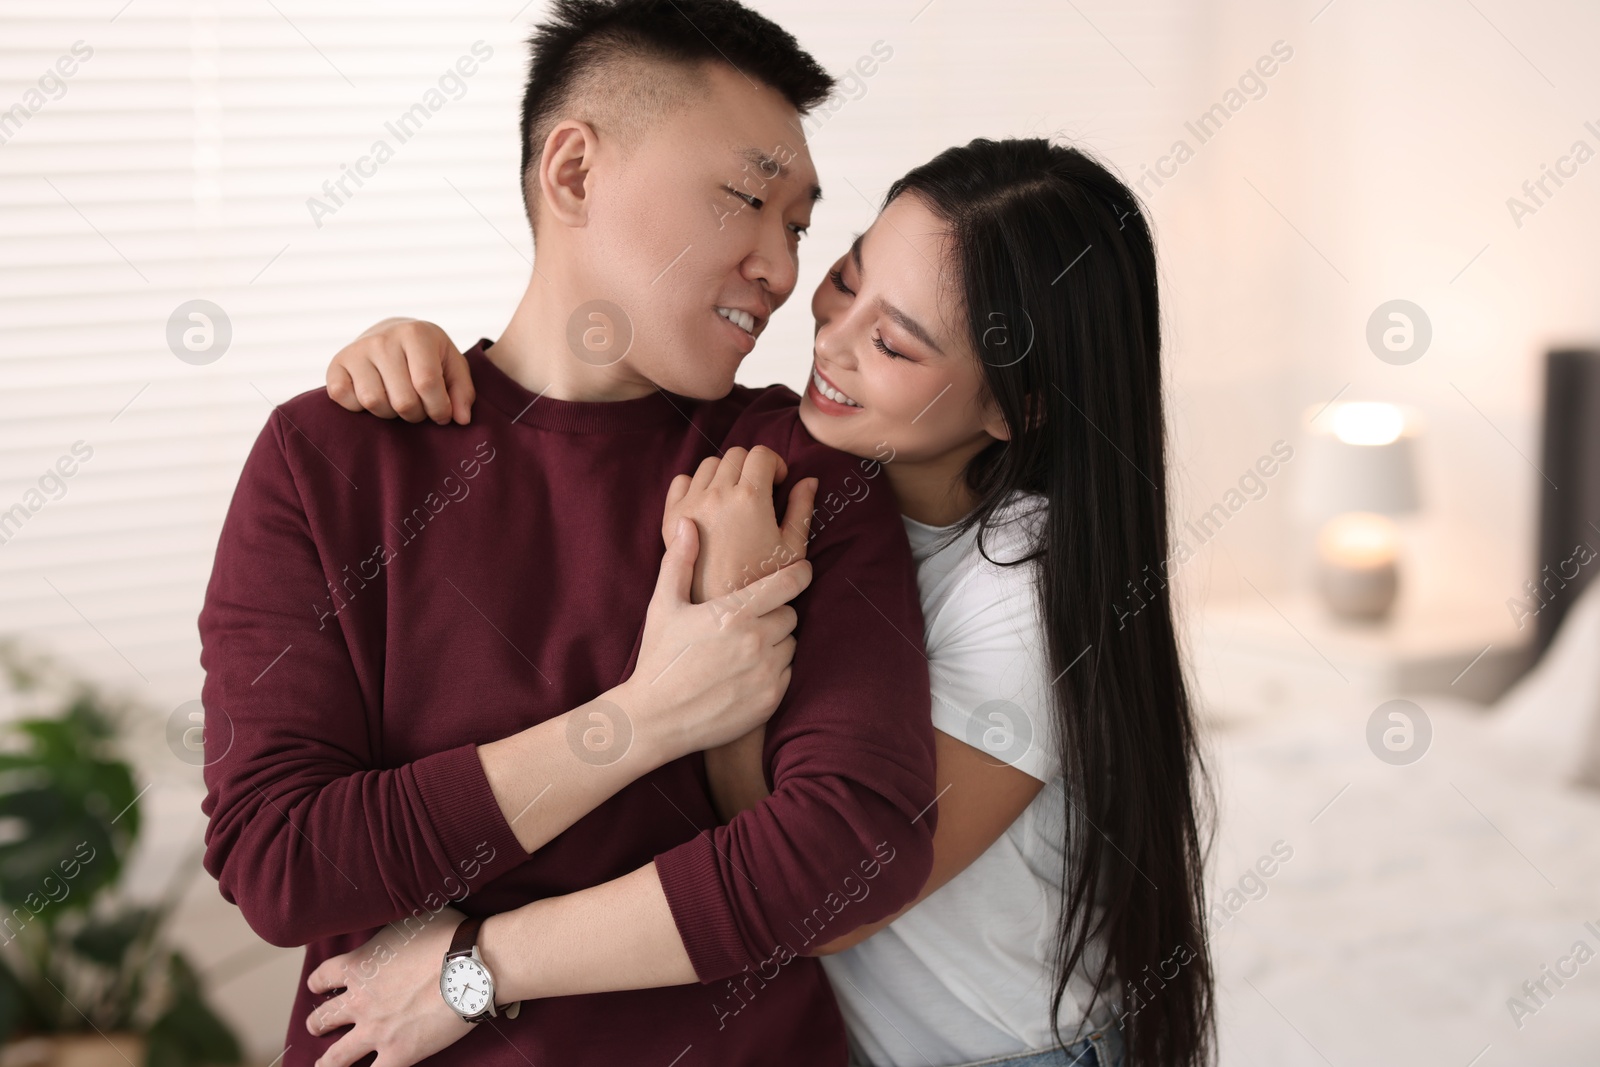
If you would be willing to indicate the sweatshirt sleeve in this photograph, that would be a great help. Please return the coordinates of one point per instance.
(846, 837)
(307, 833)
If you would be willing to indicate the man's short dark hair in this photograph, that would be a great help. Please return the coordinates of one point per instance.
(579, 41)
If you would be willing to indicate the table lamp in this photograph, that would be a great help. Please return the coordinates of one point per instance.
(1360, 472)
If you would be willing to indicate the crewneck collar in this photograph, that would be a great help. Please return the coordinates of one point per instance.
(657, 411)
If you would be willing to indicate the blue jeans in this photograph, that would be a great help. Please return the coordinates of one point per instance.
(1100, 1048)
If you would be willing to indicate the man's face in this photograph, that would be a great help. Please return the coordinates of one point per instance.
(703, 211)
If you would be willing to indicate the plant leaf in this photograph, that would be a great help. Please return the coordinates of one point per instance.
(17, 1008)
(107, 940)
(189, 1033)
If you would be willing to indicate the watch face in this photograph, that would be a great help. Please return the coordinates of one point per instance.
(466, 986)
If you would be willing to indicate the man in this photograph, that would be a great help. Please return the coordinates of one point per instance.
(412, 634)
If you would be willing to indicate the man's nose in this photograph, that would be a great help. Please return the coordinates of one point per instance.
(773, 263)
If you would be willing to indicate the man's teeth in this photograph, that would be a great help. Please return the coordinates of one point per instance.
(829, 391)
(742, 319)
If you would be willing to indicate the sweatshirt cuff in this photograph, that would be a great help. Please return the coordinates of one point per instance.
(479, 845)
(693, 887)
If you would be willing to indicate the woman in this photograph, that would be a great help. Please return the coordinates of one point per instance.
(998, 329)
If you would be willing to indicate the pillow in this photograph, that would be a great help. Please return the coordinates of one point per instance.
(1550, 720)
(1589, 761)
(1589, 768)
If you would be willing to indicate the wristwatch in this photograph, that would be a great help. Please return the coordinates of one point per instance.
(464, 981)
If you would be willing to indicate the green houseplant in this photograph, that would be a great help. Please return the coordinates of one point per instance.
(78, 956)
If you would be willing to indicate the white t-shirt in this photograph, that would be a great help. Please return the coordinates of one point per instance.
(965, 975)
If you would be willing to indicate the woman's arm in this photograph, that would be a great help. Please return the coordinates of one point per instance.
(978, 798)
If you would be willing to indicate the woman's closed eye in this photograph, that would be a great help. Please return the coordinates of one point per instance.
(877, 342)
(837, 278)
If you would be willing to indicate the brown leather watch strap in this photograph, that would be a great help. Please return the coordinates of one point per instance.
(466, 935)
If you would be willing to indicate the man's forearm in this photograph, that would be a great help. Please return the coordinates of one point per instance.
(616, 935)
(549, 776)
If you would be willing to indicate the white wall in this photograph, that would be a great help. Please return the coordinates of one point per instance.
(1391, 142)
(176, 165)
(179, 162)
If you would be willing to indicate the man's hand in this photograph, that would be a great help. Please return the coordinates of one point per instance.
(391, 998)
(403, 367)
(708, 673)
(730, 501)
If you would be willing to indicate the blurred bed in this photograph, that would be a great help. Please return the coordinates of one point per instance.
(1434, 912)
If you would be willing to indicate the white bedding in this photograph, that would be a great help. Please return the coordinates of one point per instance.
(1414, 906)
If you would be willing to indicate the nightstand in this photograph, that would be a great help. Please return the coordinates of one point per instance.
(1254, 657)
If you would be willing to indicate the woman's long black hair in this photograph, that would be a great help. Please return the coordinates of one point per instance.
(1058, 268)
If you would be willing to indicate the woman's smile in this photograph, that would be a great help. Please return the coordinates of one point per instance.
(829, 398)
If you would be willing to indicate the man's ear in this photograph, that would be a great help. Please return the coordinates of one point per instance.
(564, 171)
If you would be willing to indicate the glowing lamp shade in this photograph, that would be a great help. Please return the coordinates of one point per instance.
(1368, 424)
(1360, 471)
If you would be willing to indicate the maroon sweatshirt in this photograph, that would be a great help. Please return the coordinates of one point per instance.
(388, 596)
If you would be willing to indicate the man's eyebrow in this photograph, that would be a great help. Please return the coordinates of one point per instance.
(769, 168)
(907, 323)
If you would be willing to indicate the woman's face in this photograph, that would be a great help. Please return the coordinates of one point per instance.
(891, 337)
